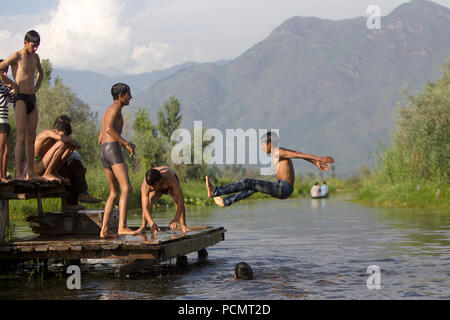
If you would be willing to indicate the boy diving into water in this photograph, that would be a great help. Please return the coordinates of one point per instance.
(281, 160)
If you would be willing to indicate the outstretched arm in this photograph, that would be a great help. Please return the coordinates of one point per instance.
(321, 162)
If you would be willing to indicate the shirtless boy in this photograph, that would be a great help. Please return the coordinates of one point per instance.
(157, 182)
(52, 149)
(281, 160)
(112, 159)
(7, 93)
(24, 64)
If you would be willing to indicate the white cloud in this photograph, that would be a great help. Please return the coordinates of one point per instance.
(144, 35)
(156, 55)
(85, 34)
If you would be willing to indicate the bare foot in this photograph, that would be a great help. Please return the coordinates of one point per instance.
(4, 180)
(62, 178)
(209, 187)
(141, 231)
(175, 224)
(219, 201)
(105, 234)
(44, 178)
(126, 231)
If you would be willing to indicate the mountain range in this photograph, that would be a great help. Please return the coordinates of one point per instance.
(330, 86)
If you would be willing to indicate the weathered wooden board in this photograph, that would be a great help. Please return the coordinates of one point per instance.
(4, 219)
(163, 246)
(84, 222)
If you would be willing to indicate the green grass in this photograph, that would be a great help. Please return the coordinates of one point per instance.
(409, 194)
(194, 193)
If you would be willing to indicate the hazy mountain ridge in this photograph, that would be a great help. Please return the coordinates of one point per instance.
(330, 86)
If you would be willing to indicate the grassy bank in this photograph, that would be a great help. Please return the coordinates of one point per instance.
(194, 193)
(410, 194)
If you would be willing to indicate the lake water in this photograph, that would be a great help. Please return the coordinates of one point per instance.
(298, 248)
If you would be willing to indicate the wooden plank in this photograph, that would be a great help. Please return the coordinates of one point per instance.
(41, 248)
(4, 219)
(125, 247)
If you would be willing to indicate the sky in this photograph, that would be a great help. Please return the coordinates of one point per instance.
(137, 36)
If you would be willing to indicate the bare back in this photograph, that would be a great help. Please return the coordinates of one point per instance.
(23, 69)
(112, 119)
(169, 180)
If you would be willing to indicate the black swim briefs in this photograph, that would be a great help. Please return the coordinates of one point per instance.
(5, 128)
(110, 154)
(28, 99)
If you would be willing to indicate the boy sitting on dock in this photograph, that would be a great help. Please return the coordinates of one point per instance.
(281, 160)
(112, 159)
(159, 181)
(52, 149)
(24, 64)
(8, 89)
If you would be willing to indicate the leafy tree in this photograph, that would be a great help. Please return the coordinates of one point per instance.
(169, 117)
(151, 150)
(421, 142)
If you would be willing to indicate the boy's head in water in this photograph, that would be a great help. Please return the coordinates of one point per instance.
(243, 271)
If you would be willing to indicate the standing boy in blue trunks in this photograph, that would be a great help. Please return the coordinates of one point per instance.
(24, 64)
(7, 92)
(112, 159)
(281, 160)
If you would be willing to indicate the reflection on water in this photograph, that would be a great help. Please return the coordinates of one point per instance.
(298, 248)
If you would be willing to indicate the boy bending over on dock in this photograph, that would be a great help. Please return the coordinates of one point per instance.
(157, 182)
(24, 64)
(281, 160)
(8, 89)
(52, 149)
(112, 159)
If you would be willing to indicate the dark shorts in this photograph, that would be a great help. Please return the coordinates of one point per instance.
(111, 154)
(5, 128)
(28, 99)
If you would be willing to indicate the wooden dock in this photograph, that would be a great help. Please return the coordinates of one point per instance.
(25, 190)
(137, 251)
(74, 235)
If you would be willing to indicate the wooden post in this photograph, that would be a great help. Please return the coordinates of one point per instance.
(39, 202)
(4, 219)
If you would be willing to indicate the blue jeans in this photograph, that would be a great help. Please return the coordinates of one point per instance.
(245, 188)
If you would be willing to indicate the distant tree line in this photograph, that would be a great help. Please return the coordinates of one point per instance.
(420, 147)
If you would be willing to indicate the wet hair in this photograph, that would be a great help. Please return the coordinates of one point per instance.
(62, 118)
(269, 137)
(119, 88)
(63, 126)
(32, 36)
(152, 176)
(243, 271)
